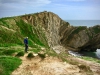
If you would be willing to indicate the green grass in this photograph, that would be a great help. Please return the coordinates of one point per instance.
(36, 50)
(96, 29)
(4, 22)
(7, 44)
(8, 52)
(22, 29)
(8, 64)
(30, 31)
(91, 59)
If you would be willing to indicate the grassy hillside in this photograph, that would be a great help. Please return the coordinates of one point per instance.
(12, 32)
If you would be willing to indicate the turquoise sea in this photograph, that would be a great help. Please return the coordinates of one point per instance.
(88, 23)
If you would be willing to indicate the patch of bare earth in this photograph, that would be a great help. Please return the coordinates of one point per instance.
(47, 66)
(95, 67)
(55, 66)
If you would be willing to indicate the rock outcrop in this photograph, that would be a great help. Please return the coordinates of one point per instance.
(80, 38)
(52, 30)
(50, 24)
(59, 32)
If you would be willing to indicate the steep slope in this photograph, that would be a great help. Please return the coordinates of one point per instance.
(13, 30)
(48, 29)
(50, 24)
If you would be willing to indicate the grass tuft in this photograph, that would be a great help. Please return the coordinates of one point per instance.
(42, 55)
(20, 53)
(30, 55)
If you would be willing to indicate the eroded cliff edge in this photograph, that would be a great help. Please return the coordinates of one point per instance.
(80, 38)
(60, 32)
(52, 30)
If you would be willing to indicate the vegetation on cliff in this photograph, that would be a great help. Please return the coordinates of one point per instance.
(45, 30)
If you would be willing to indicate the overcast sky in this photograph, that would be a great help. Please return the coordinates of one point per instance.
(66, 9)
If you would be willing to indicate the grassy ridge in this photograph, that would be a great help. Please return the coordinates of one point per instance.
(16, 31)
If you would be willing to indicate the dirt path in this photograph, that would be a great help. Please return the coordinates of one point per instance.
(48, 66)
(95, 67)
(53, 66)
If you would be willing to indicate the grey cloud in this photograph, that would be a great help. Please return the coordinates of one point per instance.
(9, 1)
(26, 1)
(21, 4)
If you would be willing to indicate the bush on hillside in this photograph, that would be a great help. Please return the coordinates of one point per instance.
(20, 53)
(85, 68)
(30, 55)
(42, 55)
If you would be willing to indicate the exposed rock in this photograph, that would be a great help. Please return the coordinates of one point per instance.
(52, 31)
(50, 24)
(81, 38)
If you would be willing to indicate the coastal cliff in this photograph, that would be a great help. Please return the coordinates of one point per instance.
(81, 38)
(49, 30)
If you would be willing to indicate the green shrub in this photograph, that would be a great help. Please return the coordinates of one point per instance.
(96, 29)
(20, 53)
(98, 61)
(41, 55)
(8, 52)
(30, 55)
(85, 68)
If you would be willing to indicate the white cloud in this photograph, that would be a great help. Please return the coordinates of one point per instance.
(25, 2)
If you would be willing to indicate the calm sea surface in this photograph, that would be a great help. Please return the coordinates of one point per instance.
(88, 23)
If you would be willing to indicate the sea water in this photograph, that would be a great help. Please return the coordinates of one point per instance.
(88, 23)
(98, 53)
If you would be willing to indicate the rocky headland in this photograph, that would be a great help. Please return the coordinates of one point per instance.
(60, 32)
(53, 36)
